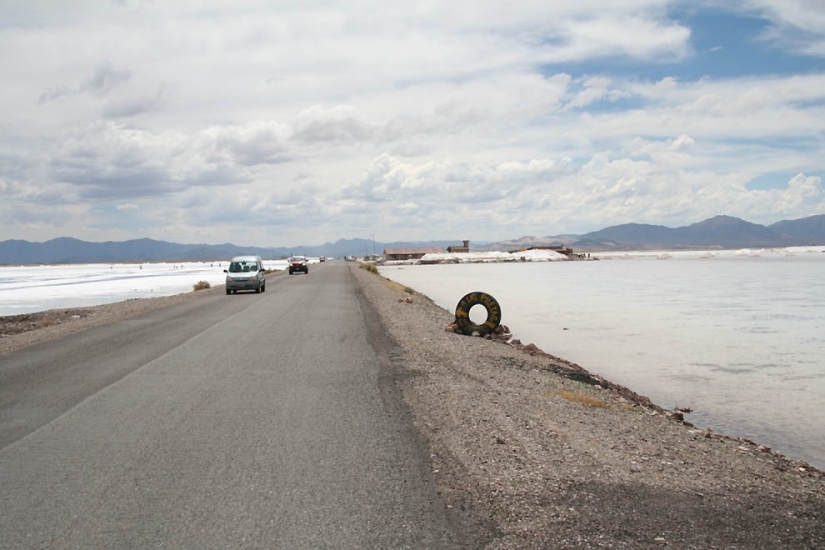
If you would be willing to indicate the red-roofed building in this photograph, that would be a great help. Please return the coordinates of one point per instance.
(401, 254)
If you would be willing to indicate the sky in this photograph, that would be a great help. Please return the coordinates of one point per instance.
(280, 123)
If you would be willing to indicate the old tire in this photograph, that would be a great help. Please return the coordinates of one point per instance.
(462, 314)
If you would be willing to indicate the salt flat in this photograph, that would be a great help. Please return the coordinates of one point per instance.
(26, 289)
(735, 335)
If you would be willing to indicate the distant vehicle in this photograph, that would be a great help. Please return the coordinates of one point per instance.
(322, 259)
(298, 263)
(245, 273)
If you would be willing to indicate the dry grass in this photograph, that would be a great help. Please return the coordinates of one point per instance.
(399, 287)
(370, 267)
(201, 285)
(584, 398)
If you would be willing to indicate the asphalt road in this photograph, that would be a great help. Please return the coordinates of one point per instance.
(247, 421)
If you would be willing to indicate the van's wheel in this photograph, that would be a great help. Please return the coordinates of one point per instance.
(263, 288)
(228, 291)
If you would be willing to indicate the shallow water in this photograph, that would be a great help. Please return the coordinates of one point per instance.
(739, 339)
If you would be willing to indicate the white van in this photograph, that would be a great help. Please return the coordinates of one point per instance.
(245, 273)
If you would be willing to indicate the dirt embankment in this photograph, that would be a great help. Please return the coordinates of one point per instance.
(536, 452)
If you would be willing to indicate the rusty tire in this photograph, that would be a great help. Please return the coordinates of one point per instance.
(462, 314)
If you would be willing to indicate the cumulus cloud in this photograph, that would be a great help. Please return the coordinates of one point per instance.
(263, 142)
(594, 90)
(677, 152)
(335, 124)
(419, 120)
(498, 193)
(107, 161)
(801, 190)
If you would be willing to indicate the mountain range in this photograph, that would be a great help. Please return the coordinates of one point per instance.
(715, 233)
(718, 232)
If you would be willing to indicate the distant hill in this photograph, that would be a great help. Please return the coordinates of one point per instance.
(716, 232)
(806, 231)
(68, 250)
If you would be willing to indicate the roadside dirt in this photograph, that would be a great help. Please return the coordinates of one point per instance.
(535, 452)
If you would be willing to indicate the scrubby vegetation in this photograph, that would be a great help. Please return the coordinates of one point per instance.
(370, 267)
(201, 285)
(584, 398)
(399, 287)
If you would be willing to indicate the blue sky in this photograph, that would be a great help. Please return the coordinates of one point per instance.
(287, 123)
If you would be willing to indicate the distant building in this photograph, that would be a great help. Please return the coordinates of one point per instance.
(401, 254)
(464, 248)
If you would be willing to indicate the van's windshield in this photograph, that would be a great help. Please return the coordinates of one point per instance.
(240, 267)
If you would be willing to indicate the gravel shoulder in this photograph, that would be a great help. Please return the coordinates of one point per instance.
(530, 451)
(539, 453)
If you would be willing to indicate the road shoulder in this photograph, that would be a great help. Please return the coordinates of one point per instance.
(543, 459)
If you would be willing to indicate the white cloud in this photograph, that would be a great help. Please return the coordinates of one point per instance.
(324, 120)
(650, 39)
(798, 24)
(801, 190)
(336, 124)
(262, 142)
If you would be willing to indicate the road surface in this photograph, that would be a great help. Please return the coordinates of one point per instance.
(246, 421)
